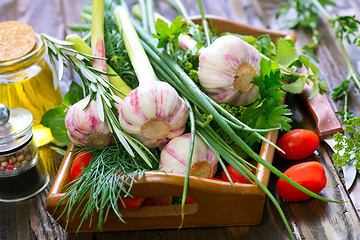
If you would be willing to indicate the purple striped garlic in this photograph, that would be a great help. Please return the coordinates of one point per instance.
(153, 113)
(226, 69)
(175, 155)
(84, 126)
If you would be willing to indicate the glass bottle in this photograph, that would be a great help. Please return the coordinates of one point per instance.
(27, 82)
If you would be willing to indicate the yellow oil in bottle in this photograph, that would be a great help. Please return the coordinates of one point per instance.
(27, 83)
(31, 89)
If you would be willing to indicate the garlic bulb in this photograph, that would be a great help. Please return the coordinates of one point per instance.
(153, 113)
(226, 69)
(84, 126)
(175, 155)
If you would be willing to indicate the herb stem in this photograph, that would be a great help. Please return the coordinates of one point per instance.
(351, 72)
(204, 23)
(142, 8)
(320, 7)
(150, 15)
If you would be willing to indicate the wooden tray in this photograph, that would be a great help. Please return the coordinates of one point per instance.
(217, 203)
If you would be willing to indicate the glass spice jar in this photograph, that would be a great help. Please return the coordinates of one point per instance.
(22, 173)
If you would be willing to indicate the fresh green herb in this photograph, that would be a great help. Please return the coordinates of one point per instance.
(55, 120)
(344, 28)
(108, 178)
(169, 34)
(268, 111)
(348, 148)
(75, 94)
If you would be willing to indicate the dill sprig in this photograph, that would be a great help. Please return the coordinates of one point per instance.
(107, 179)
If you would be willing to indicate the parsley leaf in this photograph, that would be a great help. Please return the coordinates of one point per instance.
(267, 112)
(169, 34)
(348, 148)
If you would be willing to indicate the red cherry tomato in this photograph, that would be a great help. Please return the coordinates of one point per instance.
(189, 200)
(130, 203)
(310, 175)
(298, 144)
(236, 177)
(81, 161)
(158, 201)
(217, 179)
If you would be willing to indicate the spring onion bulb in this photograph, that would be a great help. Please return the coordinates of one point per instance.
(153, 113)
(175, 155)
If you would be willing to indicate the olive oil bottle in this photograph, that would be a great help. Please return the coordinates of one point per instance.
(26, 80)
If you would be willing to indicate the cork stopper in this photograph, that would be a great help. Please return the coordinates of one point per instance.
(16, 40)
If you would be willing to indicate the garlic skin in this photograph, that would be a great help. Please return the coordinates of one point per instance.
(226, 69)
(174, 157)
(84, 126)
(153, 113)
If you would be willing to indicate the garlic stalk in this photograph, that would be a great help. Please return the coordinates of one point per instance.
(226, 69)
(175, 156)
(153, 113)
(84, 124)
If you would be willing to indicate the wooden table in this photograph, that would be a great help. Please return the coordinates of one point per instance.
(310, 219)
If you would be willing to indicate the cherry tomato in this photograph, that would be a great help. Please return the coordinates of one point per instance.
(217, 179)
(130, 203)
(158, 201)
(81, 161)
(189, 200)
(310, 175)
(236, 177)
(298, 144)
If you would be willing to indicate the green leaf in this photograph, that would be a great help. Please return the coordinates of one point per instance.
(315, 90)
(75, 94)
(168, 34)
(295, 87)
(267, 112)
(310, 51)
(285, 52)
(52, 114)
(58, 130)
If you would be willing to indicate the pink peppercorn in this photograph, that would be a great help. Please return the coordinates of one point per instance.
(10, 166)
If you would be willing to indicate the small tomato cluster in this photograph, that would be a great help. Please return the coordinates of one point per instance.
(299, 144)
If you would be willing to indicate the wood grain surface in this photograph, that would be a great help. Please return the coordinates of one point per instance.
(311, 219)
